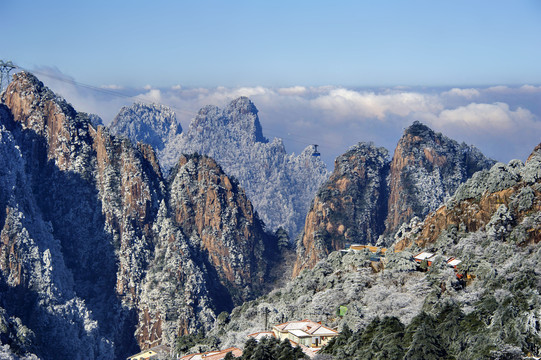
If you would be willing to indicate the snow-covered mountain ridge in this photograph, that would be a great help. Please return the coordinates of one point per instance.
(96, 245)
(281, 186)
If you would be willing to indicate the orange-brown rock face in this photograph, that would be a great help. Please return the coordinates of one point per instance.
(212, 253)
(130, 187)
(36, 108)
(348, 208)
(426, 170)
(100, 181)
(99, 194)
(208, 204)
(89, 215)
(10, 262)
(511, 192)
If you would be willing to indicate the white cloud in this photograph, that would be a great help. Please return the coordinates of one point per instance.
(153, 95)
(506, 90)
(294, 90)
(495, 117)
(337, 117)
(349, 103)
(466, 93)
(498, 89)
(530, 88)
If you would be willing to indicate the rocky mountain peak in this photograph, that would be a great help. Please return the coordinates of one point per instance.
(242, 105)
(155, 123)
(280, 186)
(535, 153)
(66, 133)
(426, 169)
(349, 207)
(243, 110)
(239, 119)
(419, 129)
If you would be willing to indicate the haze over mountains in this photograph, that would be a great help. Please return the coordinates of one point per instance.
(102, 253)
(337, 117)
(279, 185)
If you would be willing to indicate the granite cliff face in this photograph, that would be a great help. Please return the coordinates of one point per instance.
(504, 201)
(46, 225)
(348, 208)
(367, 196)
(212, 208)
(426, 170)
(280, 186)
(87, 221)
(214, 253)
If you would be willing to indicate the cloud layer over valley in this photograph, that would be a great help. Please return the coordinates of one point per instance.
(502, 121)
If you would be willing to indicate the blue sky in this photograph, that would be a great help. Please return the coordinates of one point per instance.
(332, 73)
(278, 43)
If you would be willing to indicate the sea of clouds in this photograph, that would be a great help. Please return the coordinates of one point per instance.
(502, 121)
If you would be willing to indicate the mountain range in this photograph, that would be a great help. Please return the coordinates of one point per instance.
(280, 186)
(105, 250)
(92, 233)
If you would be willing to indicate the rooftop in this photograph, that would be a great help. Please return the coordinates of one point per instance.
(260, 335)
(213, 355)
(307, 326)
(423, 256)
(160, 349)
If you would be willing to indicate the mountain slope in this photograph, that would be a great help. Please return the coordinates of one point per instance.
(399, 309)
(279, 185)
(367, 197)
(84, 233)
(503, 202)
(349, 207)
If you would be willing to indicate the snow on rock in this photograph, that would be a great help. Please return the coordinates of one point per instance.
(280, 186)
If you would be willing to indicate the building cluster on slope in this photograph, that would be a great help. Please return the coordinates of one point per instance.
(430, 257)
(379, 253)
(309, 335)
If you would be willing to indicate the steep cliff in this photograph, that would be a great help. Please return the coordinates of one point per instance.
(348, 208)
(86, 230)
(426, 170)
(366, 197)
(280, 186)
(504, 201)
(40, 288)
(212, 250)
(210, 206)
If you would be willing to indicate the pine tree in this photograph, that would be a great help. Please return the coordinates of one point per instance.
(425, 345)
